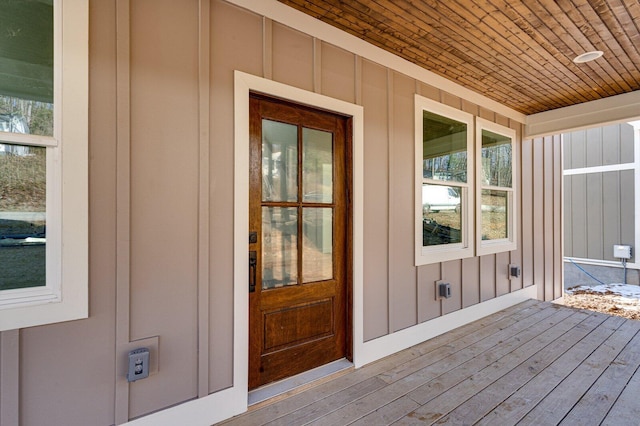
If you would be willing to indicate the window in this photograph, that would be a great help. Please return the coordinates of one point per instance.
(444, 182)
(43, 162)
(495, 209)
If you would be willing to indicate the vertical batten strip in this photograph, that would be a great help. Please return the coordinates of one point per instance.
(10, 378)
(557, 218)
(123, 204)
(418, 91)
(358, 79)
(516, 256)
(390, 214)
(317, 65)
(204, 53)
(267, 48)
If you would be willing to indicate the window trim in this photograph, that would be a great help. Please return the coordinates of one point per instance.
(484, 247)
(65, 297)
(445, 252)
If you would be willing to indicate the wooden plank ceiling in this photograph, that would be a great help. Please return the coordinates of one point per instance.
(519, 53)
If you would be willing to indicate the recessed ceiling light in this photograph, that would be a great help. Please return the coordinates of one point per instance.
(587, 57)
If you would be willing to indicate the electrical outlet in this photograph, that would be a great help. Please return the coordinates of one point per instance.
(443, 290)
(138, 364)
(514, 271)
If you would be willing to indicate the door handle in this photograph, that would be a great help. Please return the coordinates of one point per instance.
(253, 266)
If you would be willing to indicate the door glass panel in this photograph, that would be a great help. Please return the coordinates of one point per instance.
(279, 161)
(495, 218)
(317, 244)
(317, 166)
(279, 246)
(22, 216)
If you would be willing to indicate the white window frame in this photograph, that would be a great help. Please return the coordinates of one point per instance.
(484, 247)
(441, 253)
(65, 296)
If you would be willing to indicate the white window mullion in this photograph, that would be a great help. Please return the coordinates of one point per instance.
(489, 239)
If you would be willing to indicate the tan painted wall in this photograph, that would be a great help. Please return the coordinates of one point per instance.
(157, 271)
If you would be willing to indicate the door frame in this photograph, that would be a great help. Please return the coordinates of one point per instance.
(243, 84)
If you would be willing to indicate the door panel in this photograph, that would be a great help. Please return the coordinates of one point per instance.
(299, 210)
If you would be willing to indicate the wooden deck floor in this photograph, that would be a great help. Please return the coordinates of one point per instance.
(533, 364)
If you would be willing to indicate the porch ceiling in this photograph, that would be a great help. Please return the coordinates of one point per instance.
(517, 53)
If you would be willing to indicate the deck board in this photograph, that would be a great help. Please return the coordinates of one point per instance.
(490, 368)
(597, 402)
(561, 400)
(481, 402)
(535, 363)
(442, 367)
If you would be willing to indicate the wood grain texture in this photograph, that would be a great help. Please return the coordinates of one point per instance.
(300, 325)
(533, 363)
(517, 53)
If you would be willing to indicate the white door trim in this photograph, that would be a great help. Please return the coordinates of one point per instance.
(244, 83)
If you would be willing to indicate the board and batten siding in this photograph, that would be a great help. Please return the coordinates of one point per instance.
(161, 210)
(599, 205)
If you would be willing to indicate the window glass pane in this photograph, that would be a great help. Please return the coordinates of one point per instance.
(444, 147)
(279, 246)
(279, 161)
(495, 216)
(26, 66)
(317, 244)
(441, 215)
(317, 166)
(496, 159)
(22, 216)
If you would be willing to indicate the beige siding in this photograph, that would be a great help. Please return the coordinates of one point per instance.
(292, 57)
(517, 256)
(471, 280)
(243, 52)
(452, 273)
(542, 202)
(502, 274)
(164, 195)
(338, 73)
(526, 193)
(376, 200)
(487, 277)
(152, 194)
(402, 273)
(429, 305)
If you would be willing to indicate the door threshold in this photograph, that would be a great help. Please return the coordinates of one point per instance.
(284, 388)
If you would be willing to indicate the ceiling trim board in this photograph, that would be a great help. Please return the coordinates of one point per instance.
(601, 112)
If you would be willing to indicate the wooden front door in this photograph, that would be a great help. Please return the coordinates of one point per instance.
(299, 253)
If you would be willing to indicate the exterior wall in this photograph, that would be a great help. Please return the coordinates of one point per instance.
(599, 205)
(600, 173)
(542, 215)
(161, 210)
